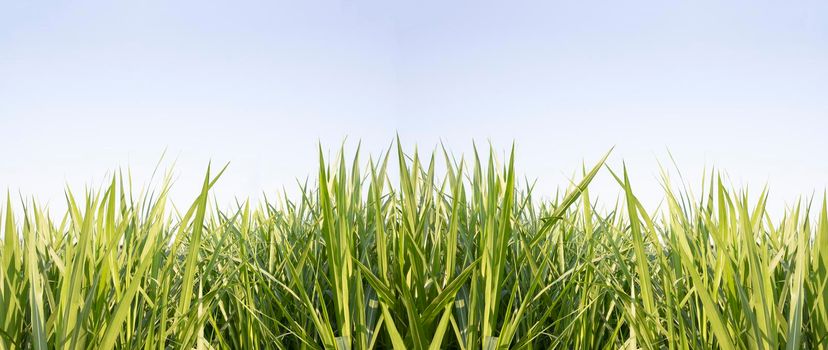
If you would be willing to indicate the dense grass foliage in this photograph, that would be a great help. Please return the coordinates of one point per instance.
(464, 259)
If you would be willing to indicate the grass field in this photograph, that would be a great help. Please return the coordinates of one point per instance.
(463, 259)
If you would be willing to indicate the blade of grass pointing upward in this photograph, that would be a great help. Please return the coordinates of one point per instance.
(382, 251)
(496, 249)
(193, 250)
(571, 197)
(13, 260)
(641, 257)
(38, 321)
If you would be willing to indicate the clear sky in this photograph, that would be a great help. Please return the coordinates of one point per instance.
(86, 87)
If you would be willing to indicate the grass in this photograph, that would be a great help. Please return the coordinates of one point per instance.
(464, 259)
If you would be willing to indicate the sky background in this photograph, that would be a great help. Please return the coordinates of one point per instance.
(87, 87)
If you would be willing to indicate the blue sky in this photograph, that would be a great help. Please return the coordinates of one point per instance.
(88, 87)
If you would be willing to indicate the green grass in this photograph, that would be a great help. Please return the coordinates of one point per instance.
(464, 259)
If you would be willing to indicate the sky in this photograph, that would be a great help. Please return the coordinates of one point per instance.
(90, 87)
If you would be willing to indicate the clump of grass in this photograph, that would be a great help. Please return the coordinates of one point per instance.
(466, 259)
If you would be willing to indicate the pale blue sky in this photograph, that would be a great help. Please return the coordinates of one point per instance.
(89, 86)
